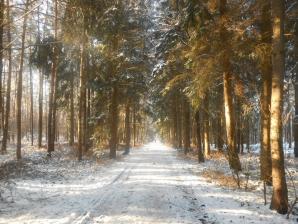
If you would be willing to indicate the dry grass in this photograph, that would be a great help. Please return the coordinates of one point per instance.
(220, 178)
(214, 155)
(218, 171)
(217, 155)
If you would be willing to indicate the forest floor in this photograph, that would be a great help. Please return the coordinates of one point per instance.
(155, 184)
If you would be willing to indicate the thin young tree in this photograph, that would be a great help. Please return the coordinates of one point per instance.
(206, 126)
(31, 103)
(295, 124)
(53, 89)
(186, 126)
(2, 10)
(201, 158)
(20, 84)
(127, 127)
(134, 125)
(82, 105)
(40, 92)
(114, 122)
(8, 88)
(71, 116)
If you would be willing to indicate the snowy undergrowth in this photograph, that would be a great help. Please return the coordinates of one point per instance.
(37, 171)
(250, 197)
(39, 183)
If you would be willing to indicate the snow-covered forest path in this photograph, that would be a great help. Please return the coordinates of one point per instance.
(152, 185)
(147, 187)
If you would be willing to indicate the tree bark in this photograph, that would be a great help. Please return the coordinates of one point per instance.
(175, 123)
(127, 128)
(8, 90)
(233, 157)
(230, 125)
(20, 86)
(279, 201)
(82, 105)
(179, 121)
(53, 92)
(40, 109)
(88, 116)
(238, 123)
(54, 111)
(290, 131)
(186, 126)
(220, 123)
(31, 105)
(40, 93)
(134, 125)
(206, 126)
(295, 124)
(219, 133)
(248, 134)
(114, 122)
(266, 72)
(199, 139)
(2, 7)
(71, 120)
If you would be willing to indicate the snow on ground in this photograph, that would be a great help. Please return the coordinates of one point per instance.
(216, 170)
(152, 185)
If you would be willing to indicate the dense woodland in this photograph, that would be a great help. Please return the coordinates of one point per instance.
(201, 75)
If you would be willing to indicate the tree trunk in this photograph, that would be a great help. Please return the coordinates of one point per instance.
(206, 126)
(71, 120)
(199, 139)
(179, 121)
(230, 124)
(55, 122)
(53, 92)
(2, 7)
(51, 131)
(134, 125)
(40, 109)
(20, 86)
(290, 131)
(114, 122)
(238, 123)
(248, 135)
(220, 140)
(233, 157)
(8, 90)
(279, 200)
(86, 96)
(88, 116)
(127, 128)
(219, 133)
(175, 123)
(193, 138)
(82, 105)
(186, 126)
(31, 106)
(40, 93)
(50, 112)
(295, 123)
(266, 71)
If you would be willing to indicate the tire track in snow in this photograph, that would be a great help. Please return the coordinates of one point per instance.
(106, 192)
